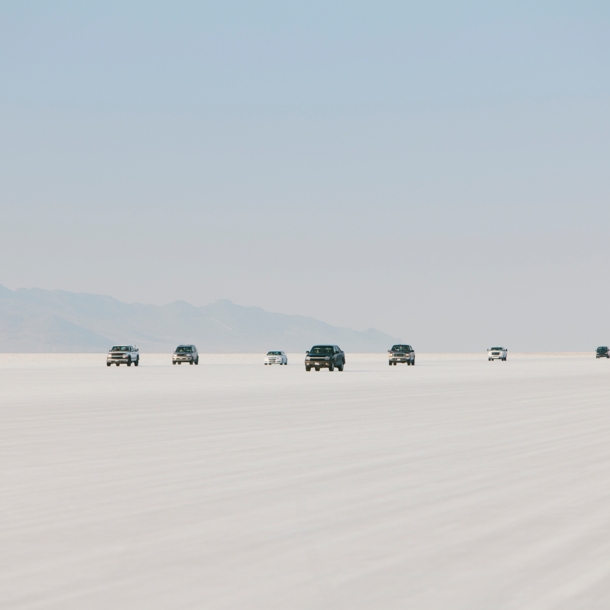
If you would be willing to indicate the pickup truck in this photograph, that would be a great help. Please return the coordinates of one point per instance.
(401, 353)
(497, 353)
(123, 354)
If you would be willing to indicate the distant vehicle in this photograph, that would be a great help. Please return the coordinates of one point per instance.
(602, 352)
(276, 358)
(401, 353)
(497, 353)
(123, 354)
(185, 353)
(325, 357)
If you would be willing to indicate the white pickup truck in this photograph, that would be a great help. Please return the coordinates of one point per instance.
(496, 353)
(123, 354)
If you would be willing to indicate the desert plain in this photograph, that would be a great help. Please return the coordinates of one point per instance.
(454, 484)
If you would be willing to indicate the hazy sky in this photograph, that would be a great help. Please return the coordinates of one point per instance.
(437, 170)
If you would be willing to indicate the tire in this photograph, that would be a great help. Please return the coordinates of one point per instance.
(197, 361)
(340, 367)
(317, 369)
(265, 364)
(390, 362)
(308, 368)
(129, 362)
(137, 361)
(331, 367)
(118, 363)
(191, 363)
(174, 362)
(107, 363)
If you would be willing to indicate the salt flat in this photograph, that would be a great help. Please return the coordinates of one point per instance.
(454, 484)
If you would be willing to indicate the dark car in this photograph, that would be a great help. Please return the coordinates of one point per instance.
(602, 352)
(325, 357)
(401, 353)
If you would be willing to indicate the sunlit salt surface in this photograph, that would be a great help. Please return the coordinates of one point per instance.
(457, 483)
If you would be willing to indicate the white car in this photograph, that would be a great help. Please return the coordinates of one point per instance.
(123, 354)
(496, 353)
(276, 358)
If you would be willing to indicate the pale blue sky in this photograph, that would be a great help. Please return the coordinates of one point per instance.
(437, 170)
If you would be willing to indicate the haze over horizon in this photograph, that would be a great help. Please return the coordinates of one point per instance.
(436, 172)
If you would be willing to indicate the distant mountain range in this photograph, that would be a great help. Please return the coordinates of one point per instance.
(33, 320)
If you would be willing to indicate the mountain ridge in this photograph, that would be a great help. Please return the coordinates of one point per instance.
(37, 320)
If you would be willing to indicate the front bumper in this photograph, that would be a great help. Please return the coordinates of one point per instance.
(182, 358)
(319, 364)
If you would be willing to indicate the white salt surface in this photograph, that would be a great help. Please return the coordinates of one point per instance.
(454, 484)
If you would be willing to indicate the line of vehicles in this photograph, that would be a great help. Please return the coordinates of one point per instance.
(330, 357)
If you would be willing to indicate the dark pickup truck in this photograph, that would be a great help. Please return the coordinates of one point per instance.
(602, 352)
(325, 357)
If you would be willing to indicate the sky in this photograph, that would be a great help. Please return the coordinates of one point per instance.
(438, 171)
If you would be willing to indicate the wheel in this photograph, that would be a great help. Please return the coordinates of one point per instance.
(317, 369)
(413, 363)
(173, 362)
(197, 361)
(107, 363)
(308, 368)
(394, 363)
(118, 363)
(331, 367)
(340, 367)
(191, 363)
(137, 361)
(129, 362)
(503, 359)
(390, 362)
(489, 359)
(265, 364)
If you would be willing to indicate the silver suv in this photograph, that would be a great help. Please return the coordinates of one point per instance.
(185, 353)
(123, 354)
(401, 353)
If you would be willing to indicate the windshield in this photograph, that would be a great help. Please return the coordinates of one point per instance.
(602, 349)
(184, 349)
(120, 348)
(274, 353)
(321, 349)
(497, 349)
(401, 348)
